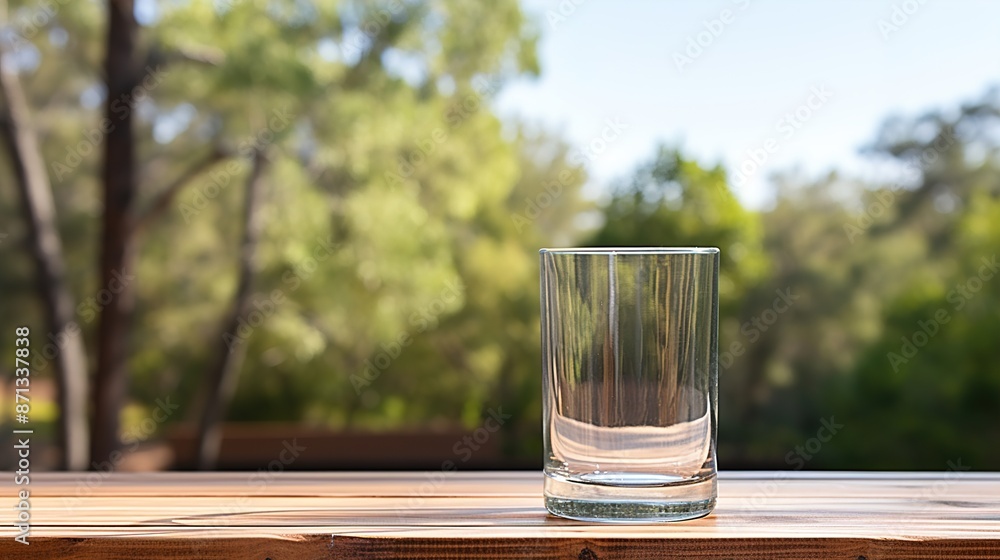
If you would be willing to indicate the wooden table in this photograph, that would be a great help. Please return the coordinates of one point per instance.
(263, 516)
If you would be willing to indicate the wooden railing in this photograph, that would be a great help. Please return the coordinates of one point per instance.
(283, 516)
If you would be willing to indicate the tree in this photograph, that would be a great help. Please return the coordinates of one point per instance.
(485, 354)
(221, 379)
(45, 245)
(927, 381)
(122, 76)
(676, 201)
(249, 91)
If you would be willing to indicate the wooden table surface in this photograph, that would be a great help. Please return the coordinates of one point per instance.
(281, 516)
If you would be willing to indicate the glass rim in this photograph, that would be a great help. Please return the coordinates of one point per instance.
(631, 250)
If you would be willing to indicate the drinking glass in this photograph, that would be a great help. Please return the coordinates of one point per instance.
(630, 366)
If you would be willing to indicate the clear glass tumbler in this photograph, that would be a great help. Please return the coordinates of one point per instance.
(630, 365)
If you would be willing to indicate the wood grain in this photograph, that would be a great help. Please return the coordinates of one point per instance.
(279, 516)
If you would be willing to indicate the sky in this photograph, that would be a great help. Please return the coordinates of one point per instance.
(758, 85)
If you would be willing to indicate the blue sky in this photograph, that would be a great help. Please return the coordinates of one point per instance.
(758, 63)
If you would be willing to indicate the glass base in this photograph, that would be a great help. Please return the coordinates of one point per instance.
(674, 501)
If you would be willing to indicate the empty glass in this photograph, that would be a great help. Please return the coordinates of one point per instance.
(630, 365)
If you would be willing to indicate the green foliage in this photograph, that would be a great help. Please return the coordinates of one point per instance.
(398, 279)
(928, 382)
(674, 201)
(883, 338)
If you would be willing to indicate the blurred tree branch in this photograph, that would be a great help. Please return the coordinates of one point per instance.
(371, 58)
(203, 55)
(221, 380)
(167, 195)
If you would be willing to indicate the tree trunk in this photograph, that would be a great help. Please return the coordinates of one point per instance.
(221, 380)
(43, 239)
(119, 177)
